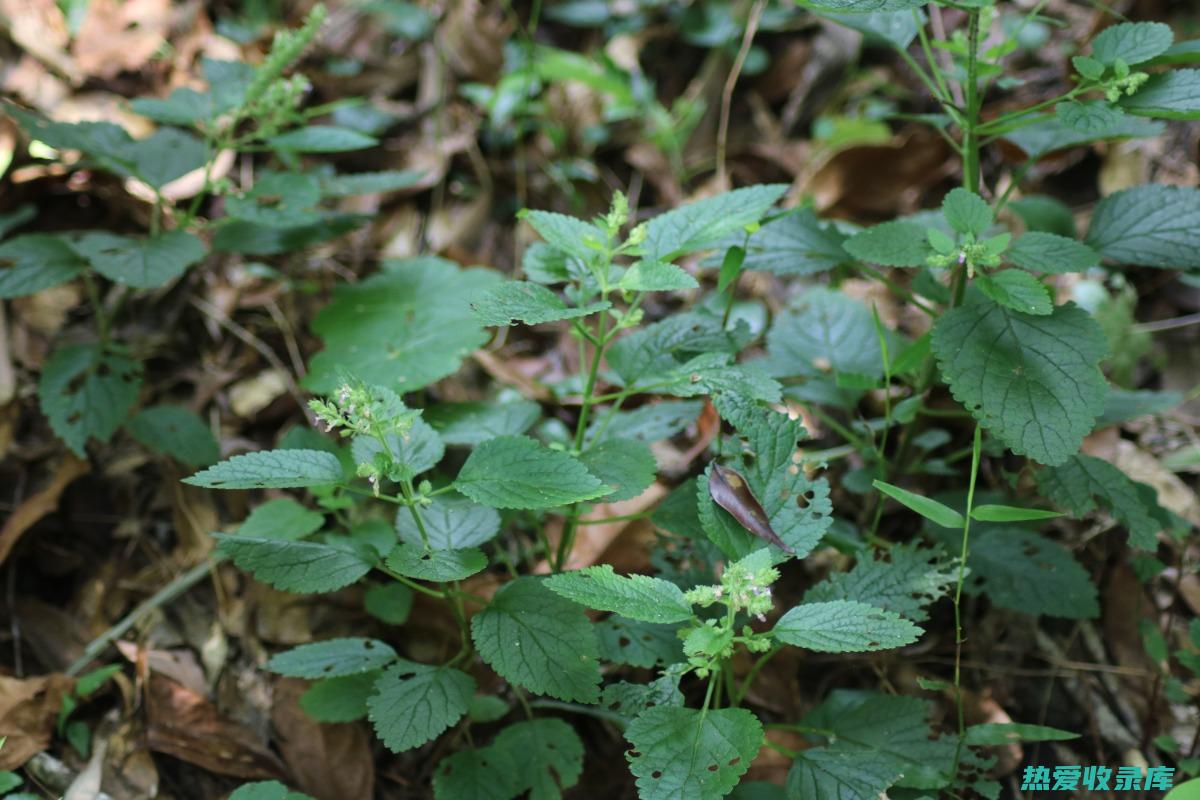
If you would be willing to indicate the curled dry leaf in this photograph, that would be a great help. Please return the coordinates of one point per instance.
(730, 491)
(28, 712)
(329, 762)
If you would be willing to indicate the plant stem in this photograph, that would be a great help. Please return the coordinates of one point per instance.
(971, 122)
(976, 449)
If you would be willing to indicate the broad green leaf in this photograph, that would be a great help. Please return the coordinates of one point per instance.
(997, 513)
(631, 699)
(542, 263)
(183, 106)
(656, 276)
(892, 244)
(844, 626)
(624, 465)
(34, 262)
(701, 225)
(572, 236)
(797, 506)
(638, 597)
(894, 28)
(1082, 481)
(861, 6)
(823, 331)
(278, 199)
(362, 337)
(339, 699)
(538, 640)
(177, 432)
(332, 658)
(967, 212)
(1177, 54)
(1047, 133)
(652, 422)
(1043, 214)
(1088, 119)
(87, 393)
(266, 790)
(271, 469)
(479, 774)
(927, 507)
(652, 352)
(526, 302)
(281, 518)
(165, 155)
(140, 263)
(638, 644)
(731, 267)
(353, 185)
(1018, 290)
(1167, 95)
(241, 236)
(796, 243)
(518, 472)
(451, 521)
(413, 703)
(544, 755)
(1131, 42)
(1126, 405)
(322, 139)
(304, 567)
(1046, 252)
(413, 452)
(907, 581)
(414, 561)
(1000, 733)
(14, 219)
(1025, 572)
(832, 773)
(473, 423)
(715, 373)
(1033, 381)
(1151, 226)
(685, 752)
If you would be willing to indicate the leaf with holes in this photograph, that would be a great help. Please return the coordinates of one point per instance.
(905, 582)
(332, 658)
(686, 752)
(1034, 381)
(479, 774)
(87, 393)
(413, 703)
(414, 561)
(271, 469)
(638, 644)
(538, 640)
(843, 626)
(544, 755)
(526, 302)
(639, 597)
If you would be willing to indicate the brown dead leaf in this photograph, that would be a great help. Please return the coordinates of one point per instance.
(329, 762)
(898, 173)
(40, 29)
(40, 503)
(28, 712)
(185, 724)
(119, 36)
(593, 541)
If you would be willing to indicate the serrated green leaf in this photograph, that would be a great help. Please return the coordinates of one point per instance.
(685, 752)
(624, 465)
(87, 393)
(862, 6)
(830, 773)
(183, 106)
(339, 699)
(1151, 226)
(452, 522)
(1088, 67)
(281, 518)
(518, 472)
(1025, 572)
(1033, 381)
(1047, 133)
(656, 276)
(895, 28)
(417, 450)
(473, 423)
(656, 350)
(414, 561)
(1177, 54)
(1088, 119)
(1018, 290)
(1131, 42)
(389, 602)
(823, 331)
(527, 302)
(322, 139)
(413, 703)
(278, 199)
(545, 756)
(165, 155)
(652, 422)
(1046, 252)
(638, 597)
(715, 373)
(361, 183)
(567, 234)
(844, 626)
(1167, 95)
(271, 469)
(538, 640)
(177, 432)
(927, 507)
(479, 774)
(997, 513)
(34, 262)
(140, 263)
(701, 225)
(796, 243)
(304, 567)
(332, 658)
(892, 244)
(638, 644)
(1001, 733)
(907, 581)
(362, 337)
(631, 699)
(967, 212)
(1082, 481)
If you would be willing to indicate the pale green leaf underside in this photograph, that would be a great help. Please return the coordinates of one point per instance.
(518, 472)
(526, 302)
(687, 753)
(1131, 42)
(333, 658)
(1078, 483)
(843, 626)
(414, 561)
(892, 244)
(1034, 381)
(305, 567)
(638, 597)
(909, 580)
(271, 469)
(451, 522)
(1167, 95)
